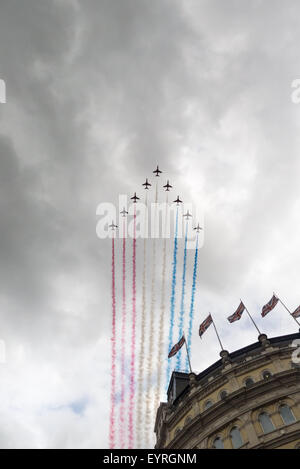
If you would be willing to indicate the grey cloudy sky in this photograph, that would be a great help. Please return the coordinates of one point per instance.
(99, 92)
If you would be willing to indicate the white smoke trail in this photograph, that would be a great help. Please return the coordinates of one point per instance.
(151, 336)
(160, 350)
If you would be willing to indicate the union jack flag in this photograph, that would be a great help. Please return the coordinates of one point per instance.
(296, 313)
(205, 325)
(238, 314)
(176, 347)
(269, 306)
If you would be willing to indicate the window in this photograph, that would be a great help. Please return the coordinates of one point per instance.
(266, 423)
(207, 405)
(249, 382)
(286, 414)
(223, 394)
(218, 443)
(236, 438)
(267, 374)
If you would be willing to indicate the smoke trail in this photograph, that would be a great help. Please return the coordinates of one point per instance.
(113, 353)
(151, 335)
(142, 347)
(191, 315)
(132, 361)
(181, 313)
(172, 309)
(160, 349)
(123, 335)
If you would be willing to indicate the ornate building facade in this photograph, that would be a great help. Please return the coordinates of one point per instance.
(248, 399)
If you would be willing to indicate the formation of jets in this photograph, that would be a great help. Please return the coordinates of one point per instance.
(167, 188)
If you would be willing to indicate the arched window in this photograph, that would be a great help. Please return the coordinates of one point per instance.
(218, 443)
(188, 420)
(207, 405)
(286, 414)
(223, 394)
(236, 438)
(249, 382)
(266, 422)
(267, 374)
(177, 431)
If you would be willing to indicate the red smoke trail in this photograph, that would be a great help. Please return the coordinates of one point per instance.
(123, 335)
(132, 361)
(113, 353)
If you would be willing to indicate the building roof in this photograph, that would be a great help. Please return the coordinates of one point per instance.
(234, 357)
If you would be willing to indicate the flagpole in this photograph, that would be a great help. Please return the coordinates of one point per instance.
(254, 323)
(295, 319)
(222, 348)
(188, 355)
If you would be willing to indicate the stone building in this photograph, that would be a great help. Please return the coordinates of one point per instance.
(248, 399)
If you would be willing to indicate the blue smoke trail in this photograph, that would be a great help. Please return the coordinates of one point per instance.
(181, 313)
(172, 309)
(191, 316)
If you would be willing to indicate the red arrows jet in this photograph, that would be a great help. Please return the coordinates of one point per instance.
(167, 186)
(198, 228)
(135, 198)
(112, 226)
(157, 171)
(187, 215)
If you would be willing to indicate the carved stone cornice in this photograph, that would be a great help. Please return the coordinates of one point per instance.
(235, 405)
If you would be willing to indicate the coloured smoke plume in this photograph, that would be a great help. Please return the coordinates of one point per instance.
(160, 350)
(191, 315)
(173, 292)
(142, 346)
(132, 360)
(181, 313)
(113, 353)
(151, 334)
(123, 335)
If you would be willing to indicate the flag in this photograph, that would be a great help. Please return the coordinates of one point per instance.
(269, 306)
(176, 347)
(238, 314)
(205, 325)
(296, 313)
